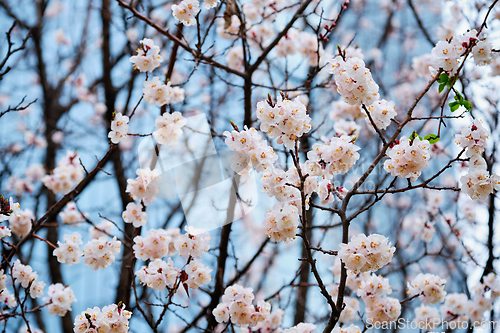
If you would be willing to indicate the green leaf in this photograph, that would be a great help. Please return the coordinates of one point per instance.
(467, 105)
(443, 78)
(454, 106)
(432, 138)
(441, 87)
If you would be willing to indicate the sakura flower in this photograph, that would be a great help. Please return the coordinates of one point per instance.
(195, 242)
(281, 222)
(119, 128)
(100, 253)
(407, 158)
(198, 274)
(354, 81)
(69, 251)
(186, 11)
(429, 287)
(148, 56)
(384, 310)
(286, 121)
(427, 317)
(158, 274)
(363, 254)
(302, 328)
(156, 244)
(134, 214)
(156, 92)
(381, 112)
(168, 128)
(483, 53)
(20, 224)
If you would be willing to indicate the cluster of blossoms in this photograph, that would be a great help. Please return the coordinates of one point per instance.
(354, 81)
(158, 274)
(419, 227)
(100, 253)
(429, 287)
(483, 53)
(4, 232)
(157, 244)
(286, 121)
(186, 11)
(350, 312)
(310, 48)
(112, 318)
(168, 128)
(327, 192)
(301, 328)
(144, 60)
(160, 243)
(383, 310)
(234, 57)
(25, 275)
(346, 127)
(119, 128)
(332, 158)
(341, 110)
(373, 290)
(71, 215)
(146, 186)
(366, 254)
(134, 214)
(382, 112)
(157, 93)
(480, 303)
(250, 150)
(288, 44)
(407, 158)
(434, 200)
(20, 223)
(477, 183)
(272, 323)
(8, 208)
(259, 15)
(194, 243)
(455, 307)
(350, 329)
(355, 84)
(6, 297)
(427, 317)
(69, 252)
(60, 298)
(447, 54)
(198, 274)
(66, 175)
(103, 229)
(19, 185)
(237, 306)
(282, 222)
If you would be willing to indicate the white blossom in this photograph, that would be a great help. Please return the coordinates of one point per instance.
(363, 254)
